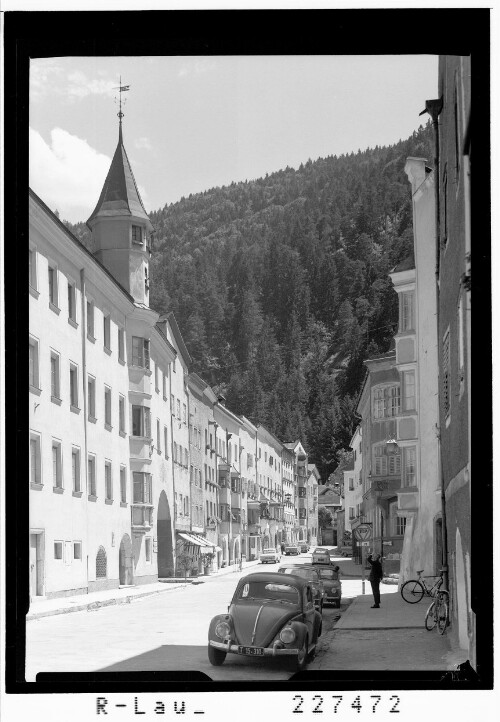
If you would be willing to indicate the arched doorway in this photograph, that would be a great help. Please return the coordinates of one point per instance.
(125, 561)
(164, 535)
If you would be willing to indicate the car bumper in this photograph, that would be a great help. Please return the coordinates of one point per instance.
(268, 651)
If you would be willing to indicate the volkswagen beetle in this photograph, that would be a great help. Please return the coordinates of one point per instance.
(270, 615)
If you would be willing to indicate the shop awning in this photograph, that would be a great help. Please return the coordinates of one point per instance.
(196, 540)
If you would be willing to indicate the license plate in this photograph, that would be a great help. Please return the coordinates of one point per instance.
(252, 651)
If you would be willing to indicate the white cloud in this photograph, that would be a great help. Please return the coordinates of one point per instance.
(47, 77)
(80, 86)
(143, 142)
(196, 67)
(67, 173)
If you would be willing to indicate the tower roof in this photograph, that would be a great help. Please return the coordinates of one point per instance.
(120, 195)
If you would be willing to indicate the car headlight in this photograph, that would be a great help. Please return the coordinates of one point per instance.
(223, 630)
(287, 635)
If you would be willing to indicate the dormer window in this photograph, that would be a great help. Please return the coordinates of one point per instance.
(137, 235)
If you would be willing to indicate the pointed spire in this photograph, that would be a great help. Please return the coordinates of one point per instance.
(120, 195)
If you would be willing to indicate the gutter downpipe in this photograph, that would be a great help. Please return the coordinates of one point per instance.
(84, 380)
(434, 108)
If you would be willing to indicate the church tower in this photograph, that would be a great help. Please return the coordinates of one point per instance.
(120, 226)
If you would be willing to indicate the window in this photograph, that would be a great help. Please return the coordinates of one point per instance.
(123, 484)
(35, 459)
(446, 373)
(58, 550)
(165, 441)
(91, 397)
(351, 512)
(33, 363)
(121, 344)
(53, 293)
(184, 413)
(407, 311)
(91, 475)
(178, 409)
(351, 484)
(77, 550)
(90, 319)
(164, 387)
(386, 402)
(57, 480)
(71, 301)
(107, 407)
(141, 421)
(394, 464)
(380, 461)
(175, 453)
(147, 548)
(73, 385)
(409, 390)
(140, 352)
(172, 404)
(137, 235)
(121, 414)
(101, 564)
(75, 469)
(107, 332)
(158, 437)
(55, 390)
(399, 525)
(410, 463)
(157, 378)
(142, 487)
(108, 481)
(32, 269)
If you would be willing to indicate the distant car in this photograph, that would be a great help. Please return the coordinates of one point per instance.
(312, 575)
(291, 549)
(304, 547)
(270, 555)
(331, 583)
(269, 616)
(321, 555)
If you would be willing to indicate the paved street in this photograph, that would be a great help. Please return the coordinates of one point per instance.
(166, 631)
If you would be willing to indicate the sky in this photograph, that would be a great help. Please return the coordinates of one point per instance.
(194, 123)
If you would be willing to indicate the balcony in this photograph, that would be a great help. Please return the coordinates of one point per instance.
(142, 517)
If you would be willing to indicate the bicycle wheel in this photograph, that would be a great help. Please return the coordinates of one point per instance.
(430, 617)
(412, 591)
(442, 612)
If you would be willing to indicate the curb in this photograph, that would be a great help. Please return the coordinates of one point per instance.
(92, 606)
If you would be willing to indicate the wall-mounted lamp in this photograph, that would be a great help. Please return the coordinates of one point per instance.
(392, 446)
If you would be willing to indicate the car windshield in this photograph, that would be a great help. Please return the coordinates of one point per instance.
(328, 574)
(269, 590)
(298, 572)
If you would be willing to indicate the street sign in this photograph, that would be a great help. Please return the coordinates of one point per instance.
(363, 532)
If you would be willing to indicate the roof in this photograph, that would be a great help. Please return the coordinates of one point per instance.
(275, 577)
(326, 496)
(120, 195)
(405, 265)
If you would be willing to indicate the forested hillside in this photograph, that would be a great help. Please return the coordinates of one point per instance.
(280, 286)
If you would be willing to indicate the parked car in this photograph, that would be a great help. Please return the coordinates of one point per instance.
(331, 583)
(321, 555)
(269, 616)
(312, 575)
(291, 549)
(270, 555)
(304, 547)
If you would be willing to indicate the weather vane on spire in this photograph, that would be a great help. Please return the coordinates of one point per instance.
(122, 89)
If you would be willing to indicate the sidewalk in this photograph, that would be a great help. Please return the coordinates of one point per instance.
(120, 595)
(390, 638)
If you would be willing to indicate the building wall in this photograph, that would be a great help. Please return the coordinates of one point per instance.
(454, 309)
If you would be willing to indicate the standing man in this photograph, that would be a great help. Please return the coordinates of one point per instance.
(375, 577)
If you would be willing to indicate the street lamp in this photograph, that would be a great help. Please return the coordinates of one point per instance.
(392, 446)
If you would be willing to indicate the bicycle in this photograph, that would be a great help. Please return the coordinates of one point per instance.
(438, 612)
(414, 590)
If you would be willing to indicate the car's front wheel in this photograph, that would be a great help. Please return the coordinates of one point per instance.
(216, 656)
